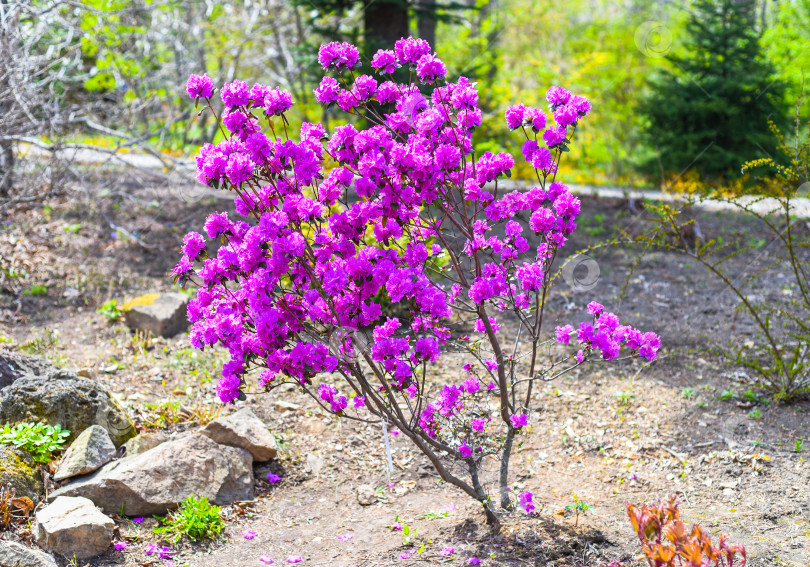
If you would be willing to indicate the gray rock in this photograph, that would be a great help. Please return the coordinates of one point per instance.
(92, 449)
(73, 527)
(366, 495)
(145, 441)
(13, 554)
(243, 429)
(159, 479)
(62, 397)
(14, 365)
(163, 314)
(18, 469)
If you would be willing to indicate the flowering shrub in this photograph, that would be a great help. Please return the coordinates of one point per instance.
(665, 541)
(778, 356)
(410, 213)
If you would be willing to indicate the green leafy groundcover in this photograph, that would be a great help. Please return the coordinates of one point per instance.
(39, 439)
(197, 518)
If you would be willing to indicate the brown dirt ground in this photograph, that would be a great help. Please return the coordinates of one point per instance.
(611, 434)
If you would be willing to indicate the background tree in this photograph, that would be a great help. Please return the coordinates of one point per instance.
(787, 44)
(711, 111)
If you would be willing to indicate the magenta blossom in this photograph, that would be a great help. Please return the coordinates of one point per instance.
(273, 478)
(120, 545)
(519, 420)
(200, 86)
(384, 61)
(338, 55)
(595, 308)
(526, 502)
(266, 559)
(249, 534)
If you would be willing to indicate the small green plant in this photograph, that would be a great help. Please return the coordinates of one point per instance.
(74, 228)
(39, 345)
(170, 413)
(196, 518)
(36, 289)
(728, 395)
(688, 393)
(39, 439)
(754, 414)
(165, 414)
(751, 396)
(757, 443)
(798, 445)
(435, 515)
(407, 532)
(579, 507)
(624, 398)
(12, 273)
(756, 242)
(110, 310)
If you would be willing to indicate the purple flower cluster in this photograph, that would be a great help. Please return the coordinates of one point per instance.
(607, 336)
(338, 56)
(200, 86)
(526, 502)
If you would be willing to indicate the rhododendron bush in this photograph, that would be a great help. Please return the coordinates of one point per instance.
(328, 226)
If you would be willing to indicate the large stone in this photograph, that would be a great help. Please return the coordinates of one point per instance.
(159, 479)
(73, 527)
(243, 429)
(14, 365)
(145, 441)
(18, 469)
(163, 314)
(92, 449)
(62, 397)
(13, 554)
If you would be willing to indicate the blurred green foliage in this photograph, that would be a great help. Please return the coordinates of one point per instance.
(136, 54)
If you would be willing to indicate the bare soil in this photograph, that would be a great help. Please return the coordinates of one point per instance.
(610, 434)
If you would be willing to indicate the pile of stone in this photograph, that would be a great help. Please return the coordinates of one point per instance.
(154, 473)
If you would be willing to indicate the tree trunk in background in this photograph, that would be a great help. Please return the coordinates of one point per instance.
(490, 10)
(426, 21)
(6, 146)
(384, 22)
(6, 168)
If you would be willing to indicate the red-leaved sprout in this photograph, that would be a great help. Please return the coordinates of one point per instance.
(410, 214)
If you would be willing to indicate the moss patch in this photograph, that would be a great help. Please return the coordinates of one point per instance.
(18, 469)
